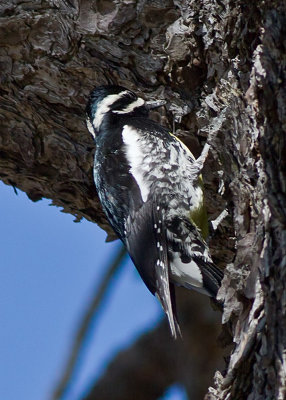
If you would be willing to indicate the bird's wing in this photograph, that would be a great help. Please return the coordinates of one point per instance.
(212, 275)
(191, 264)
(146, 244)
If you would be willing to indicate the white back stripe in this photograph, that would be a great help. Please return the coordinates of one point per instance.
(135, 156)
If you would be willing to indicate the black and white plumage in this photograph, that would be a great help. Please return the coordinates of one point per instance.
(150, 188)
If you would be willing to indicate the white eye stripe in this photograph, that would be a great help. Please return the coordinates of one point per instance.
(104, 106)
(137, 103)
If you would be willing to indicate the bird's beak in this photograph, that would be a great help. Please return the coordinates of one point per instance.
(154, 104)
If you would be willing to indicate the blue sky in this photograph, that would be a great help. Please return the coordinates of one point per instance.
(50, 268)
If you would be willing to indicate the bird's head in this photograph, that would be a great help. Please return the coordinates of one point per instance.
(105, 100)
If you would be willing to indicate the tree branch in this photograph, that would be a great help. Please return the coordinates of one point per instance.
(89, 317)
(155, 361)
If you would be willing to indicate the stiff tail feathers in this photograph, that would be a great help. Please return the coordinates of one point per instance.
(165, 290)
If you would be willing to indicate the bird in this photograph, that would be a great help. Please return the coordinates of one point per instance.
(151, 190)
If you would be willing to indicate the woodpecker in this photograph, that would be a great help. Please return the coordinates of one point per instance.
(150, 188)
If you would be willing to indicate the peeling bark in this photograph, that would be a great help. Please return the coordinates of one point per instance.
(221, 67)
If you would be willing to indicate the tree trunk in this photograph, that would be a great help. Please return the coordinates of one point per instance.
(220, 65)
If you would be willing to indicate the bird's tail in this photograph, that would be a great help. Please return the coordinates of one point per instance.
(165, 290)
(168, 302)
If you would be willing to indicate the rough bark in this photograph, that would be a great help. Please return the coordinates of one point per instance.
(221, 67)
